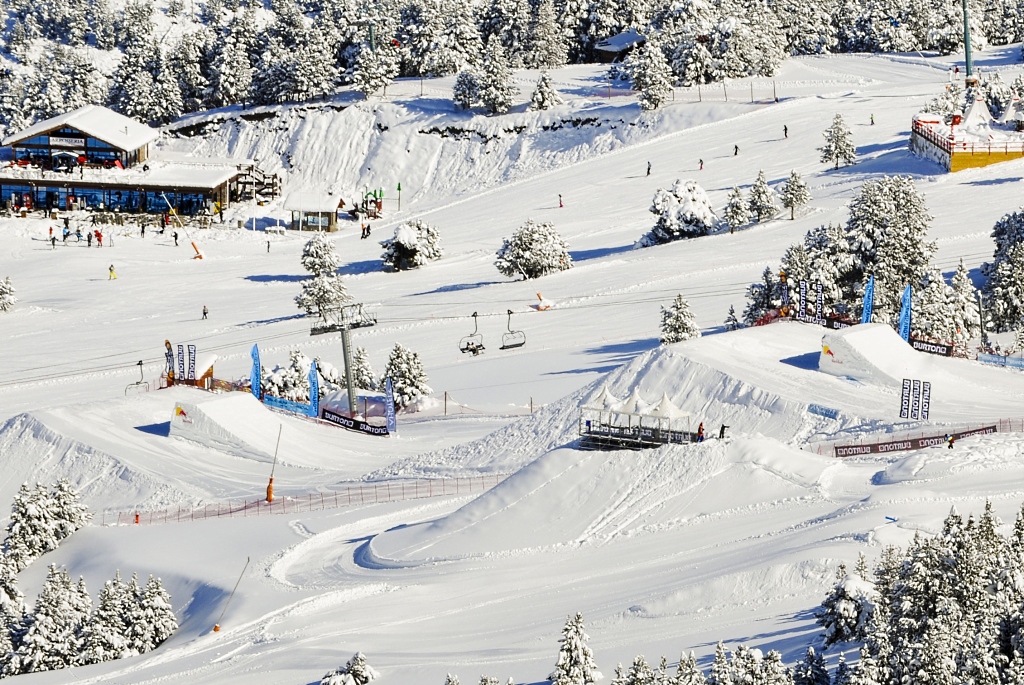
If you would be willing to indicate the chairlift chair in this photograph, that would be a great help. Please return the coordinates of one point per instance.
(512, 339)
(474, 342)
(140, 385)
(354, 316)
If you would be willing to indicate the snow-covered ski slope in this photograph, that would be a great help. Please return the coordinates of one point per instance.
(663, 550)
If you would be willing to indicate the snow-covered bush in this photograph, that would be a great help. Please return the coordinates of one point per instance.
(7, 298)
(356, 672)
(575, 664)
(544, 95)
(466, 91)
(414, 244)
(737, 209)
(534, 250)
(408, 379)
(838, 145)
(731, 322)
(678, 322)
(794, 193)
(762, 199)
(683, 211)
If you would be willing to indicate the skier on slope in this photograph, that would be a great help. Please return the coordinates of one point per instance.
(648, 168)
(735, 150)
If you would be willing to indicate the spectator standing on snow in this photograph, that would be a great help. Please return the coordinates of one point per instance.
(560, 200)
(143, 230)
(785, 131)
(700, 432)
(51, 231)
(88, 239)
(205, 312)
(701, 163)
(950, 439)
(721, 432)
(99, 239)
(53, 242)
(872, 119)
(268, 247)
(113, 274)
(175, 236)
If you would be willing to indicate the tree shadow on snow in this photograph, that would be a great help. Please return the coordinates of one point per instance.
(358, 268)
(456, 287)
(597, 253)
(585, 369)
(994, 181)
(205, 604)
(807, 361)
(276, 319)
(791, 642)
(863, 150)
(896, 161)
(276, 278)
(161, 429)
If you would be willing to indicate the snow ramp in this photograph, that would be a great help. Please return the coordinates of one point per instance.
(872, 353)
(571, 497)
(236, 423)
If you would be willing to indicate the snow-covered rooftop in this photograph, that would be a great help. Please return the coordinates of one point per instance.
(98, 122)
(153, 174)
(620, 42)
(311, 201)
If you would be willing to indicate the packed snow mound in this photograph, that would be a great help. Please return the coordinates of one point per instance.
(31, 451)
(571, 497)
(238, 424)
(871, 353)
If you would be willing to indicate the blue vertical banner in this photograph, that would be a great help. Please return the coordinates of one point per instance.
(869, 301)
(314, 391)
(389, 406)
(255, 377)
(905, 314)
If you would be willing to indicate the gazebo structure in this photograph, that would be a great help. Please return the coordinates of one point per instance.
(608, 423)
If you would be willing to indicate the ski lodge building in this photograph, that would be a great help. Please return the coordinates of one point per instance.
(95, 158)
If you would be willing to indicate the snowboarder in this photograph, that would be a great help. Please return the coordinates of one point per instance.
(88, 239)
(648, 168)
(53, 242)
(735, 150)
(175, 236)
(268, 247)
(721, 432)
(367, 230)
(205, 312)
(362, 231)
(64, 235)
(78, 234)
(785, 131)
(560, 200)
(113, 274)
(700, 432)
(950, 439)
(143, 228)
(872, 119)
(701, 163)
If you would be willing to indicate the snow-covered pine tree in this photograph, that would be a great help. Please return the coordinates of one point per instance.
(886, 232)
(688, 672)
(762, 297)
(104, 636)
(322, 294)
(167, 102)
(496, 88)
(7, 298)
(101, 24)
(185, 62)
(965, 308)
(30, 530)
(12, 600)
(356, 672)
(619, 676)
(1004, 289)
(737, 209)
(794, 193)
(762, 199)
(319, 256)
(829, 263)
(650, 75)
(534, 250)
(845, 612)
(544, 95)
(548, 49)
(842, 676)
(466, 91)
(48, 638)
(451, 679)
(678, 322)
(362, 373)
(812, 670)
(314, 72)
(375, 68)
(488, 680)
(290, 382)
(683, 211)
(720, 672)
(808, 26)
(231, 72)
(151, 620)
(838, 145)
(408, 379)
(414, 244)
(934, 309)
(575, 664)
(639, 672)
(731, 322)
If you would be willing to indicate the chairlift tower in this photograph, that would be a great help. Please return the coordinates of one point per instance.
(971, 80)
(343, 321)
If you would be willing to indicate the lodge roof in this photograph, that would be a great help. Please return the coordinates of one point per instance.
(99, 122)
